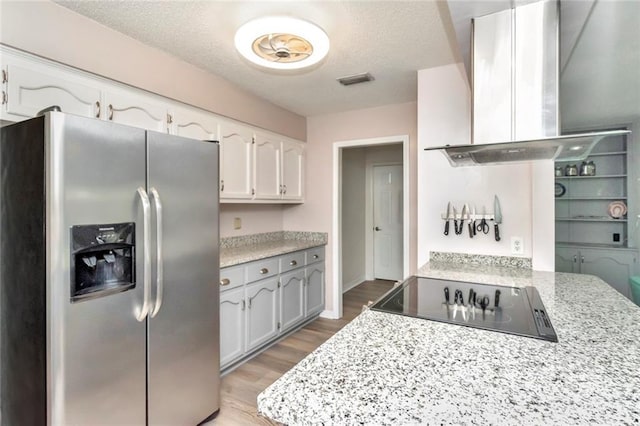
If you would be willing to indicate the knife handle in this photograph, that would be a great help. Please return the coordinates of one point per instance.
(495, 227)
(446, 227)
(470, 229)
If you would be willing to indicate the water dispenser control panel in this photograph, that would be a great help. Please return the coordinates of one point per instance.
(102, 260)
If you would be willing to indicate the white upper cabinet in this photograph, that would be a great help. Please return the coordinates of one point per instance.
(292, 170)
(236, 143)
(193, 123)
(135, 110)
(255, 167)
(30, 89)
(267, 179)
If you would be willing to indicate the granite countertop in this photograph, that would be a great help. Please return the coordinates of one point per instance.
(387, 369)
(246, 248)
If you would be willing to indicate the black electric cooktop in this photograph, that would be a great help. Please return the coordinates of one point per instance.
(510, 310)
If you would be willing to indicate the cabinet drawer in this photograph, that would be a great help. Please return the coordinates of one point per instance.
(231, 277)
(291, 261)
(262, 269)
(315, 255)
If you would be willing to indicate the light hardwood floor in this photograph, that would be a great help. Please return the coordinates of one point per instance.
(241, 387)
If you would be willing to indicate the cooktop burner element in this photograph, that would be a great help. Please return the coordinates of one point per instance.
(510, 310)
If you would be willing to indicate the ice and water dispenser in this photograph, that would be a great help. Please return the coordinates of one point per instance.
(102, 260)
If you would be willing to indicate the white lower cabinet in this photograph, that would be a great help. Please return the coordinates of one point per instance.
(614, 266)
(314, 280)
(292, 298)
(278, 294)
(262, 312)
(232, 307)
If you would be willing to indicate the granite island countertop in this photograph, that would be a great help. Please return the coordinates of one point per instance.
(386, 369)
(247, 248)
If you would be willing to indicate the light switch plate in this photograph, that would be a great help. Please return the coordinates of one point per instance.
(237, 223)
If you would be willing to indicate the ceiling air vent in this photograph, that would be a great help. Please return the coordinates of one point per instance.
(355, 79)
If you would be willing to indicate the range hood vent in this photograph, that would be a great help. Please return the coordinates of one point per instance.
(559, 148)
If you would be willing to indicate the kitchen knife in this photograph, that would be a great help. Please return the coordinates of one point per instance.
(455, 220)
(473, 219)
(446, 223)
(467, 215)
(497, 216)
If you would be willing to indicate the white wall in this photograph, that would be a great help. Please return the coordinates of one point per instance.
(322, 132)
(354, 191)
(255, 219)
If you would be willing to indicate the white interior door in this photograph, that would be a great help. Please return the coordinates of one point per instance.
(387, 222)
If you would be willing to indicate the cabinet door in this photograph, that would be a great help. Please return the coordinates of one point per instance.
(37, 87)
(193, 123)
(235, 161)
(232, 311)
(567, 260)
(613, 266)
(314, 284)
(262, 312)
(292, 170)
(291, 298)
(136, 110)
(267, 168)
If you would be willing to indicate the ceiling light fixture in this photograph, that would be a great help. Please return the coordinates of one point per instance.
(281, 42)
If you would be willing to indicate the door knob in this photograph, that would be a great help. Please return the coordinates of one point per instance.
(377, 229)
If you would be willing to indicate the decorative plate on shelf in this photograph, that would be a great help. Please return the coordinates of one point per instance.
(560, 189)
(617, 209)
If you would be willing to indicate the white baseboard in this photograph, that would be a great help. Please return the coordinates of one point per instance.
(351, 284)
(329, 314)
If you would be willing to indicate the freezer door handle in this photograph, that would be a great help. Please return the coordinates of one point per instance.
(146, 213)
(159, 273)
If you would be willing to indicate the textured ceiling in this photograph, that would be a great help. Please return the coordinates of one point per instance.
(389, 39)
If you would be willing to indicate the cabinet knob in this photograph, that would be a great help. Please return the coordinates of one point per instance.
(225, 281)
(222, 185)
(264, 271)
(581, 259)
(315, 256)
(98, 109)
(575, 258)
(293, 263)
(110, 107)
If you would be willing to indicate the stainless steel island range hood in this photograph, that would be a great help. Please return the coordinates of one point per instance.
(575, 147)
(515, 75)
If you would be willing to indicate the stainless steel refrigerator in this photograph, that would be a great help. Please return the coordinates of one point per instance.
(109, 271)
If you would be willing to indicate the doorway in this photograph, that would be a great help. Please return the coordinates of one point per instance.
(370, 192)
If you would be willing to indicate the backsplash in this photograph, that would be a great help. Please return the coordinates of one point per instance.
(481, 259)
(243, 240)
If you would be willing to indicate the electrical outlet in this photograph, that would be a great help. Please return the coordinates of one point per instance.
(517, 245)
(237, 223)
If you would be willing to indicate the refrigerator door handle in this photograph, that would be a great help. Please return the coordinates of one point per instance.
(159, 275)
(146, 213)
